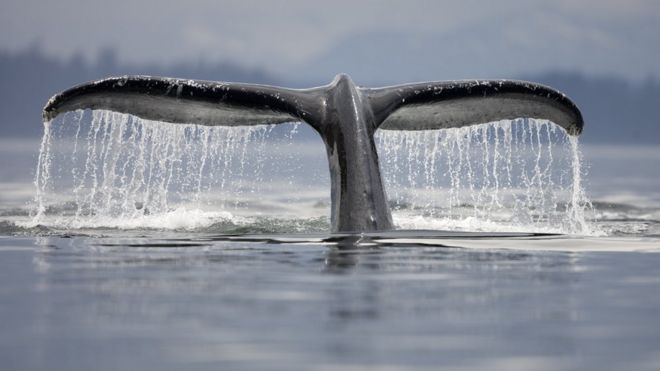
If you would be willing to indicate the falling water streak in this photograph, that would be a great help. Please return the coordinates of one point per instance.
(289, 158)
(537, 178)
(579, 202)
(151, 150)
(503, 172)
(106, 151)
(260, 137)
(123, 167)
(74, 156)
(111, 157)
(427, 164)
(171, 161)
(165, 166)
(97, 125)
(483, 133)
(432, 176)
(510, 143)
(246, 137)
(494, 199)
(124, 185)
(205, 155)
(227, 160)
(137, 177)
(42, 175)
(548, 167)
(450, 171)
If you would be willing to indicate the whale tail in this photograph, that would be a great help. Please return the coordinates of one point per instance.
(345, 116)
(421, 106)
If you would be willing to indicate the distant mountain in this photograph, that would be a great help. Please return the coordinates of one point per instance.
(615, 111)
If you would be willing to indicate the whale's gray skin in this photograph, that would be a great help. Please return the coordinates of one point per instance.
(346, 117)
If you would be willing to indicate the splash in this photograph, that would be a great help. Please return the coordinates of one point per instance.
(99, 169)
(106, 169)
(520, 175)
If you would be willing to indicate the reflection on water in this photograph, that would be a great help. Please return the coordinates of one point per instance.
(323, 303)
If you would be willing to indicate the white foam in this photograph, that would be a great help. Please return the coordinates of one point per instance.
(178, 219)
(474, 224)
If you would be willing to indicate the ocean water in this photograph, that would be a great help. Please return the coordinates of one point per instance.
(217, 256)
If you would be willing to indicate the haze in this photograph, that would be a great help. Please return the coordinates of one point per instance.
(372, 40)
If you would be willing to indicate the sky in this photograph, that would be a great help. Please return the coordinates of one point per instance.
(414, 40)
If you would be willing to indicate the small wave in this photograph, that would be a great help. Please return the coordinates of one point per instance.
(473, 224)
(11, 228)
(264, 225)
(180, 219)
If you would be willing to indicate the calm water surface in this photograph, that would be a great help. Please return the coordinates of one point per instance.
(208, 303)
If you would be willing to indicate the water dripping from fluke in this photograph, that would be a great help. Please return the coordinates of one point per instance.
(505, 176)
(441, 168)
(125, 172)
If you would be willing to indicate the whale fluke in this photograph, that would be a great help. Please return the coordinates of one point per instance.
(345, 116)
(453, 104)
(184, 101)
